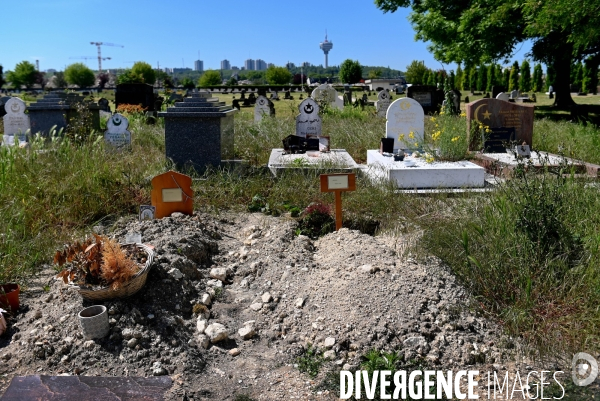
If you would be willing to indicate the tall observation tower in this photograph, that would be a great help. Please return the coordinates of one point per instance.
(326, 46)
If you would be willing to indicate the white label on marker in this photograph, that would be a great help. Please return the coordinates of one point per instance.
(337, 182)
(172, 195)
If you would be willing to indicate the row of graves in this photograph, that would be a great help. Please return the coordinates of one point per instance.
(199, 134)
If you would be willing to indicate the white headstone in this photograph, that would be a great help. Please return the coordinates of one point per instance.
(116, 134)
(405, 123)
(16, 122)
(383, 102)
(262, 108)
(326, 93)
(308, 122)
(502, 96)
(514, 94)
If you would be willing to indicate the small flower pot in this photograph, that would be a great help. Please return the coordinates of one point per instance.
(9, 297)
(94, 322)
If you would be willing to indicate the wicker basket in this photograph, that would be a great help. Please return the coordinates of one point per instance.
(127, 289)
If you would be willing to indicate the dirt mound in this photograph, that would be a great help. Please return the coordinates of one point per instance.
(232, 301)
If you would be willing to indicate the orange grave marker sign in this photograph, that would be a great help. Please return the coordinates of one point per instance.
(172, 192)
(338, 183)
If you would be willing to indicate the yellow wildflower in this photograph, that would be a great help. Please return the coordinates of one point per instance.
(416, 144)
(401, 137)
(463, 114)
(436, 135)
(411, 135)
(433, 118)
(456, 138)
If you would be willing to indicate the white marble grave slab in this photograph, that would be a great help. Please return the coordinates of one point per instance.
(336, 159)
(462, 174)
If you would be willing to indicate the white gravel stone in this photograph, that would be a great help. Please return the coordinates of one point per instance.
(201, 325)
(299, 303)
(206, 299)
(203, 341)
(329, 342)
(266, 297)
(218, 273)
(216, 332)
(176, 274)
(256, 307)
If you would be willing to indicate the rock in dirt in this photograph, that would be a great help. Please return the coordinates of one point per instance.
(216, 332)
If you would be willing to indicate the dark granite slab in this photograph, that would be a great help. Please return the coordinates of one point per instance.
(84, 388)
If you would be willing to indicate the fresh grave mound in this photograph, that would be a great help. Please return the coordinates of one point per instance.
(232, 301)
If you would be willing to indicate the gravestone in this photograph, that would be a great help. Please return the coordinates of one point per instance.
(275, 96)
(199, 132)
(263, 107)
(58, 109)
(429, 97)
(16, 122)
(496, 113)
(138, 94)
(327, 94)
(308, 122)
(116, 135)
(405, 116)
(502, 96)
(383, 102)
(287, 95)
(514, 94)
(456, 99)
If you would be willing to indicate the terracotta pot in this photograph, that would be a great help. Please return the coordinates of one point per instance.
(9, 297)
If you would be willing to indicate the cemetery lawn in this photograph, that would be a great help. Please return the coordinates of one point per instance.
(529, 252)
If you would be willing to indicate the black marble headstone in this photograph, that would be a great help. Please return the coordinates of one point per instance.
(429, 97)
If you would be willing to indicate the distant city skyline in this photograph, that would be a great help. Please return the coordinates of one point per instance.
(284, 34)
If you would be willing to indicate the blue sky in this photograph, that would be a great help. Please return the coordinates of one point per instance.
(172, 34)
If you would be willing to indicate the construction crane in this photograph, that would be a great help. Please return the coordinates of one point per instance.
(100, 51)
(86, 58)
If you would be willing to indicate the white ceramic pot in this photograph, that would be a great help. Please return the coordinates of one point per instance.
(94, 322)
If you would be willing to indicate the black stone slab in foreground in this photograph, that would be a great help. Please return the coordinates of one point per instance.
(83, 388)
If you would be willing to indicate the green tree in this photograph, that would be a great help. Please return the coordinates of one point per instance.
(473, 78)
(350, 71)
(23, 74)
(210, 78)
(538, 78)
(59, 80)
(423, 80)
(482, 78)
(431, 78)
(452, 80)
(481, 31)
(145, 71)
(498, 75)
(278, 75)
(590, 79)
(415, 72)
(506, 77)
(79, 74)
(458, 82)
(187, 83)
(375, 73)
(466, 79)
(525, 77)
(2, 81)
(513, 82)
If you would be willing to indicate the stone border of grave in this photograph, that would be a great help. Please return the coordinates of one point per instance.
(506, 170)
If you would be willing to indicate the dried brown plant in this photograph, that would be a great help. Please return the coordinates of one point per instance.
(117, 268)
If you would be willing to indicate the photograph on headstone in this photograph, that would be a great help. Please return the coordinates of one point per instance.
(116, 135)
(147, 212)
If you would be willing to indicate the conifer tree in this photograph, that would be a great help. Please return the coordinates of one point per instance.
(525, 77)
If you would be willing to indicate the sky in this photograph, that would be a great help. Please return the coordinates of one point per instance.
(176, 33)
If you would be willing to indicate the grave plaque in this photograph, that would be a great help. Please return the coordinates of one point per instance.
(147, 212)
(116, 135)
(429, 97)
(16, 122)
(502, 96)
(172, 192)
(308, 121)
(496, 113)
(498, 140)
(523, 151)
(327, 94)
(383, 102)
(405, 123)
(338, 183)
(263, 107)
